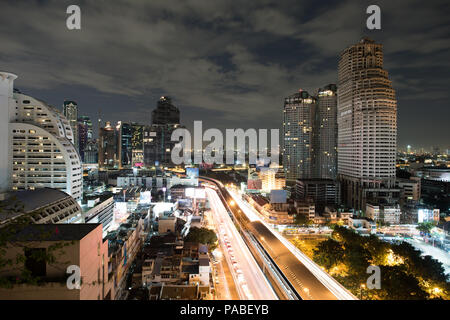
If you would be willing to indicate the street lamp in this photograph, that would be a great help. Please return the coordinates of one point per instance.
(164, 191)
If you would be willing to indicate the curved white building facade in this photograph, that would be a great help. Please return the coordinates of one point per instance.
(41, 151)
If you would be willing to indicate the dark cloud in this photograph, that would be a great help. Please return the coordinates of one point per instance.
(228, 63)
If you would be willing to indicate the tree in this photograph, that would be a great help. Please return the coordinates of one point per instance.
(357, 258)
(397, 284)
(302, 220)
(425, 227)
(378, 249)
(202, 235)
(328, 254)
(345, 235)
(431, 269)
(412, 276)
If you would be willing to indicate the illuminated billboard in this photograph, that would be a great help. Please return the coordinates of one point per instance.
(145, 197)
(192, 173)
(200, 193)
(197, 193)
(120, 212)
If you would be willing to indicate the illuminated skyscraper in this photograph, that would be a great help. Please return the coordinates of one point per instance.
(107, 147)
(137, 143)
(367, 125)
(157, 137)
(326, 132)
(84, 134)
(124, 136)
(130, 144)
(70, 111)
(165, 112)
(91, 152)
(298, 123)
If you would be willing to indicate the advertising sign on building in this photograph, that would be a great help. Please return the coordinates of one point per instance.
(192, 173)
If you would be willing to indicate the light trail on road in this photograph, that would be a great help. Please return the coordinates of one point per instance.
(250, 281)
(331, 284)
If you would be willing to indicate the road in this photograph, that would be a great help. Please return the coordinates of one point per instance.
(310, 281)
(251, 284)
(435, 253)
(224, 285)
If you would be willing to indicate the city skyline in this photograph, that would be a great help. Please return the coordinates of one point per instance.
(239, 74)
(223, 151)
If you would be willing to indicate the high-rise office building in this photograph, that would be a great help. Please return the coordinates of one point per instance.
(310, 135)
(124, 136)
(137, 144)
(157, 137)
(298, 124)
(84, 134)
(165, 112)
(326, 132)
(107, 147)
(91, 152)
(367, 126)
(37, 141)
(70, 111)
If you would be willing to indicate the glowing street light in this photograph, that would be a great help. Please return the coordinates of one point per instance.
(362, 287)
(436, 290)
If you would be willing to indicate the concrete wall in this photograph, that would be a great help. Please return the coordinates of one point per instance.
(90, 254)
(6, 101)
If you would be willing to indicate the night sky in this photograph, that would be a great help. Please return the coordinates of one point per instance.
(228, 63)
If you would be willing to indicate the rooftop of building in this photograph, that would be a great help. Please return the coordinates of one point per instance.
(102, 198)
(21, 202)
(260, 200)
(179, 292)
(382, 203)
(434, 168)
(191, 268)
(35, 199)
(366, 40)
(301, 94)
(317, 181)
(180, 186)
(157, 266)
(414, 180)
(361, 218)
(153, 252)
(54, 232)
(202, 248)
